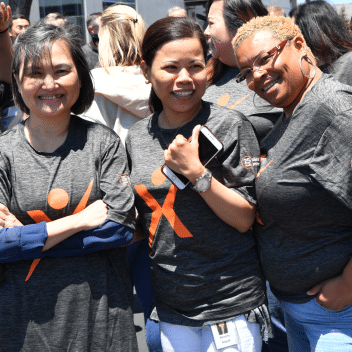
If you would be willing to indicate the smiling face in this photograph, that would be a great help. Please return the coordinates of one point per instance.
(283, 84)
(218, 35)
(178, 77)
(51, 89)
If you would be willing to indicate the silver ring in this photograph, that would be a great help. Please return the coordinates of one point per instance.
(3, 223)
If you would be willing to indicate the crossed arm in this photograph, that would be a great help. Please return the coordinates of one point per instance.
(93, 232)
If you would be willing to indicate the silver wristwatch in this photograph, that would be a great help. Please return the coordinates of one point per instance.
(203, 183)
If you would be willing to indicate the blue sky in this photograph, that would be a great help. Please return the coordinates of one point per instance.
(332, 2)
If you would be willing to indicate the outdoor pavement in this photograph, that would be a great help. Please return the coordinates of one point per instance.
(139, 325)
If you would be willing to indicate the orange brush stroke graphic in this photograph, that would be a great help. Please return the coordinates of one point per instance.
(238, 102)
(166, 209)
(39, 216)
(83, 203)
(261, 170)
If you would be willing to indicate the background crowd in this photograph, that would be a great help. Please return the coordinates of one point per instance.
(259, 243)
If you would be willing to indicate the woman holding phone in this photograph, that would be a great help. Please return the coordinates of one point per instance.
(204, 266)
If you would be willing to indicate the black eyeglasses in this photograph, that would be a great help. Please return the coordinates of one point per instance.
(262, 62)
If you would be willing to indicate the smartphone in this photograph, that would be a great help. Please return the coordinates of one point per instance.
(209, 148)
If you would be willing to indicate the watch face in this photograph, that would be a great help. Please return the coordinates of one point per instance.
(203, 184)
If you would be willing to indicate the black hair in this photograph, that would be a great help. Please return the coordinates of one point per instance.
(293, 11)
(324, 31)
(34, 44)
(236, 13)
(53, 16)
(163, 31)
(16, 17)
(92, 18)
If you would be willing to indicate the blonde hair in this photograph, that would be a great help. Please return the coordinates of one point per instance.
(280, 27)
(121, 34)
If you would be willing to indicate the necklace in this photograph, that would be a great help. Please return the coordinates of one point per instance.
(167, 144)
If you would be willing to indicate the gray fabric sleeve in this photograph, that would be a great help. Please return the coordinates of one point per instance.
(115, 185)
(240, 159)
(331, 162)
(342, 69)
(5, 184)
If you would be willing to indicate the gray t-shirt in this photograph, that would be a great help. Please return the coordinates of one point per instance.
(202, 269)
(304, 192)
(80, 303)
(228, 93)
(341, 69)
(92, 55)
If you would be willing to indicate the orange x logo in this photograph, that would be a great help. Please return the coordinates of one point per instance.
(57, 199)
(167, 209)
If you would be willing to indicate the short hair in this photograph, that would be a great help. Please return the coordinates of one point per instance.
(281, 28)
(16, 17)
(120, 37)
(238, 12)
(176, 8)
(164, 31)
(323, 30)
(34, 44)
(92, 18)
(51, 18)
(276, 11)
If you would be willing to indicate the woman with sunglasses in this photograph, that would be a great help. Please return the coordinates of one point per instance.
(304, 222)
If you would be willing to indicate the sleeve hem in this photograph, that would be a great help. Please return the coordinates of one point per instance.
(32, 240)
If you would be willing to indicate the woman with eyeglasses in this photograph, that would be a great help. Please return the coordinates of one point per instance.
(304, 188)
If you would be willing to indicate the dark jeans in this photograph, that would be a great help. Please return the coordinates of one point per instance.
(138, 260)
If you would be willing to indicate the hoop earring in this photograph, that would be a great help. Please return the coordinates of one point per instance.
(300, 65)
(262, 108)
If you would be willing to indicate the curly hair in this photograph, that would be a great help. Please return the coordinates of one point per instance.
(280, 27)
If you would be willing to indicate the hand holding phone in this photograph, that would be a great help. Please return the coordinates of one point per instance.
(209, 148)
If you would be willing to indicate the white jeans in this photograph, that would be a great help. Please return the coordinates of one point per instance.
(178, 338)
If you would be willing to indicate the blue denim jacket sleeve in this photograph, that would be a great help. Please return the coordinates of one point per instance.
(22, 242)
(108, 235)
(26, 242)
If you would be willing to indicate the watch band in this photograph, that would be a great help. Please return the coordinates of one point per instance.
(203, 182)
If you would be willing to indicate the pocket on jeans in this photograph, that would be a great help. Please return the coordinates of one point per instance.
(331, 310)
